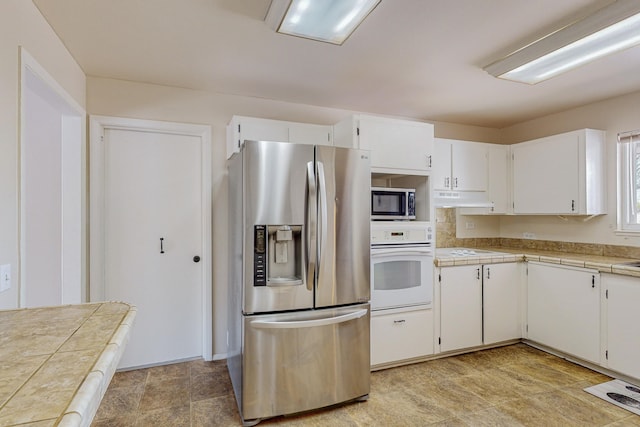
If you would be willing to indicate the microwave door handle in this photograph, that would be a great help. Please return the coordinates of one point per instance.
(311, 217)
(322, 200)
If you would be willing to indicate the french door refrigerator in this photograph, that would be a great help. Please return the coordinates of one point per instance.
(298, 333)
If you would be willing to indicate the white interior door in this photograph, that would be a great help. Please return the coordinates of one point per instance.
(153, 227)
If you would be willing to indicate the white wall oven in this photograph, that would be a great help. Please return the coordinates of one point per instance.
(401, 264)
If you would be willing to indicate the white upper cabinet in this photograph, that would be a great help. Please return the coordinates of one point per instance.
(460, 165)
(561, 174)
(396, 145)
(242, 129)
(498, 184)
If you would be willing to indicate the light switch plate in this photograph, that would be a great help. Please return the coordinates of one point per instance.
(5, 277)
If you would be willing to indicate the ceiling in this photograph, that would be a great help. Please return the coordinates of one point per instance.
(413, 58)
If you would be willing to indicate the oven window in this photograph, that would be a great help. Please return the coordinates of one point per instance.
(395, 275)
(387, 204)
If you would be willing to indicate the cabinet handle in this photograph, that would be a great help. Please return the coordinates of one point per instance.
(488, 273)
(593, 281)
(429, 161)
(573, 206)
(455, 182)
(446, 182)
(478, 274)
(399, 321)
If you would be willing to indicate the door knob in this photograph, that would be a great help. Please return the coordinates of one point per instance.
(196, 258)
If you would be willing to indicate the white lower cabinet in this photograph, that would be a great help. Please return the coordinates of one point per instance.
(479, 304)
(564, 309)
(401, 334)
(501, 302)
(623, 338)
(460, 307)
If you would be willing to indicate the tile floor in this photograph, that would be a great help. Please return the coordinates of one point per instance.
(508, 386)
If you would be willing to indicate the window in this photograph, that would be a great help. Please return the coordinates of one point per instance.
(629, 181)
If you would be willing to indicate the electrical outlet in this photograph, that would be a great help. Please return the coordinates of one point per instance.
(529, 235)
(470, 225)
(5, 277)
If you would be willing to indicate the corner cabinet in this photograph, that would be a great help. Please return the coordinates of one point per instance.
(396, 145)
(242, 128)
(479, 304)
(560, 175)
(563, 309)
(623, 340)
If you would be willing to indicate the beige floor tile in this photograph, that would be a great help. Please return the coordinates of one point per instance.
(129, 378)
(120, 401)
(544, 373)
(217, 412)
(200, 367)
(579, 411)
(577, 391)
(631, 421)
(492, 388)
(121, 421)
(169, 393)
(174, 417)
(166, 372)
(206, 386)
(491, 417)
(529, 412)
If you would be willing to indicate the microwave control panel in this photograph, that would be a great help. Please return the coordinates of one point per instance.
(401, 233)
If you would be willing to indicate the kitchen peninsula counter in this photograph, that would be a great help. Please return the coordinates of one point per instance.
(56, 362)
(604, 264)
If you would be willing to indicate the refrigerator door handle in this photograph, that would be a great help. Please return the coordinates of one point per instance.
(264, 324)
(322, 199)
(310, 250)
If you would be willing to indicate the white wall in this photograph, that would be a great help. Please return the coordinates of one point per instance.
(23, 25)
(145, 101)
(613, 116)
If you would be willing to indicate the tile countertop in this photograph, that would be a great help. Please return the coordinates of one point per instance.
(56, 362)
(604, 264)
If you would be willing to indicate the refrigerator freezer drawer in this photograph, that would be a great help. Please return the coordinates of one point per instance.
(299, 361)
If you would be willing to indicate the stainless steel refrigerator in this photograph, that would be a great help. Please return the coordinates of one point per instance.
(298, 333)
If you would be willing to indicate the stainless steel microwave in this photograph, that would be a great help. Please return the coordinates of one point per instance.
(393, 203)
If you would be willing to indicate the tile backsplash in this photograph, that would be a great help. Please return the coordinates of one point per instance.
(446, 238)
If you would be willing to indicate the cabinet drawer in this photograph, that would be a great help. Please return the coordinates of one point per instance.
(401, 335)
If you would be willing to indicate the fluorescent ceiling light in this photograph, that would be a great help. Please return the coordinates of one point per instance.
(329, 21)
(611, 29)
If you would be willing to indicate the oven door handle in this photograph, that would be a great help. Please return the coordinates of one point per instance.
(401, 251)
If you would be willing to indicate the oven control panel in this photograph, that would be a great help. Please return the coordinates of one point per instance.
(395, 233)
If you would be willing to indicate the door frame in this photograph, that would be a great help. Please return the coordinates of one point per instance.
(73, 142)
(97, 126)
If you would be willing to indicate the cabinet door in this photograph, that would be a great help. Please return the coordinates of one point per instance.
(460, 307)
(397, 144)
(401, 335)
(623, 339)
(255, 129)
(498, 178)
(564, 309)
(469, 166)
(441, 171)
(545, 175)
(501, 302)
(305, 133)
